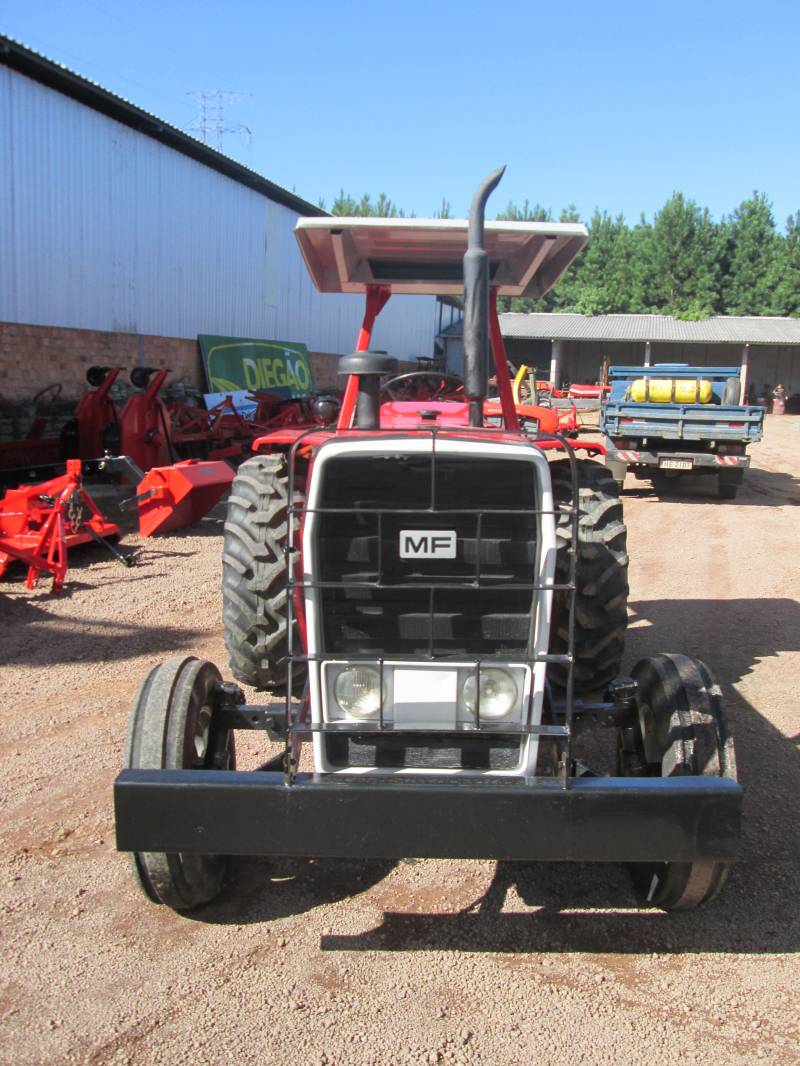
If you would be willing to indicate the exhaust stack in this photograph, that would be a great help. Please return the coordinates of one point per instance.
(476, 302)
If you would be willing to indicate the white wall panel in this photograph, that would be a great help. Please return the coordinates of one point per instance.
(104, 228)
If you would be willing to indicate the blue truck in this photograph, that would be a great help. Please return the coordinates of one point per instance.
(651, 429)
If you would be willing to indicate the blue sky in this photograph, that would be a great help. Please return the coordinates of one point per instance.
(611, 104)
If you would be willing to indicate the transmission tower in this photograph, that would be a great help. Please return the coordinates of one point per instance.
(210, 124)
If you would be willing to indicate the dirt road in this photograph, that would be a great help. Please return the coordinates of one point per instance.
(410, 962)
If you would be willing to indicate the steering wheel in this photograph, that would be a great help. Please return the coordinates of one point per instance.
(55, 389)
(424, 385)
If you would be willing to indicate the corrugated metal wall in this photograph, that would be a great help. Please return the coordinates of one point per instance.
(104, 228)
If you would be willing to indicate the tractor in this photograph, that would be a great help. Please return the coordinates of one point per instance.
(434, 607)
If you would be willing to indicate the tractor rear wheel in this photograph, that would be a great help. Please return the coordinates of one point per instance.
(172, 727)
(254, 570)
(682, 730)
(601, 603)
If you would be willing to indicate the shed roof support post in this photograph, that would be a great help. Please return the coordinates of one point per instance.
(555, 362)
(647, 354)
(743, 375)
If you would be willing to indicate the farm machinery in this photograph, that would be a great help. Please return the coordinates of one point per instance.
(40, 523)
(436, 607)
(151, 430)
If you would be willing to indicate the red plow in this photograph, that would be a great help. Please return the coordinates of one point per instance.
(39, 523)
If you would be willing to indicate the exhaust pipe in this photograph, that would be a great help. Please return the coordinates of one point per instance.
(476, 302)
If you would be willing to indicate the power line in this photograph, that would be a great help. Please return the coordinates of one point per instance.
(26, 38)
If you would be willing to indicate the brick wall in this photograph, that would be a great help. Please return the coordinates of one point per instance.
(34, 356)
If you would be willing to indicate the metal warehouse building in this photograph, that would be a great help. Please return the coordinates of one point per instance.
(571, 347)
(124, 238)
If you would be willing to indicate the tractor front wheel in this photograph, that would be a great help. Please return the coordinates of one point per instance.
(254, 574)
(172, 727)
(681, 730)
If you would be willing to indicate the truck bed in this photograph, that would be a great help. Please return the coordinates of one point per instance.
(687, 422)
(623, 417)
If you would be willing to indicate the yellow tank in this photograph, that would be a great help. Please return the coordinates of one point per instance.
(671, 390)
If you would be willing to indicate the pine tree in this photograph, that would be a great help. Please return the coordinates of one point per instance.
(752, 248)
(683, 260)
(604, 277)
(786, 273)
(527, 213)
(347, 206)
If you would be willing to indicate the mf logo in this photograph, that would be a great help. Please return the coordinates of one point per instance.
(427, 544)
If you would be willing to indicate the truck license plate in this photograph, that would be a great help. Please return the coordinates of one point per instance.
(675, 464)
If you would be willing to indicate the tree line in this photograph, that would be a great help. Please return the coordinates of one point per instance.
(682, 263)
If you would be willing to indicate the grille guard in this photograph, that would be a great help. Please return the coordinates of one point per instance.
(297, 715)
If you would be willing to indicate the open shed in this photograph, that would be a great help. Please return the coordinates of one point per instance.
(572, 347)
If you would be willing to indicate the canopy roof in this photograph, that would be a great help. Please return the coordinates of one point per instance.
(416, 255)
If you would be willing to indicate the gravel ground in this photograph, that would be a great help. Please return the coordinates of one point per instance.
(409, 962)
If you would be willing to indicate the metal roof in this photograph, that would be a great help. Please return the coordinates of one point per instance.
(63, 80)
(416, 255)
(722, 329)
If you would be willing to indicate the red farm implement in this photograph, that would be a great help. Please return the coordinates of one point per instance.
(169, 494)
(222, 432)
(170, 497)
(40, 523)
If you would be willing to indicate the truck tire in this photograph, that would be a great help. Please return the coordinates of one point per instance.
(728, 482)
(732, 391)
(601, 604)
(254, 598)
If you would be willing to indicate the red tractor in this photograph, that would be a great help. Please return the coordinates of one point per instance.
(438, 606)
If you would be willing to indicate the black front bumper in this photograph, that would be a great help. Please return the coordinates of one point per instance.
(601, 819)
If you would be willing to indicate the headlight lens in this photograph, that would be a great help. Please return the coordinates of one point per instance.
(498, 693)
(357, 690)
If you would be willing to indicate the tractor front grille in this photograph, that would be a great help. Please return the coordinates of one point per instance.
(374, 601)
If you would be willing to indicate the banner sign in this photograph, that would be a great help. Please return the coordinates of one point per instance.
(233, 364)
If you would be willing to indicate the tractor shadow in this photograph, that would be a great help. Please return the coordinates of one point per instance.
(262, 890)
(540, 908)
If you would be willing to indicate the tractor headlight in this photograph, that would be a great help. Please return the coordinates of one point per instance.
(498, 693)
(357, 690)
